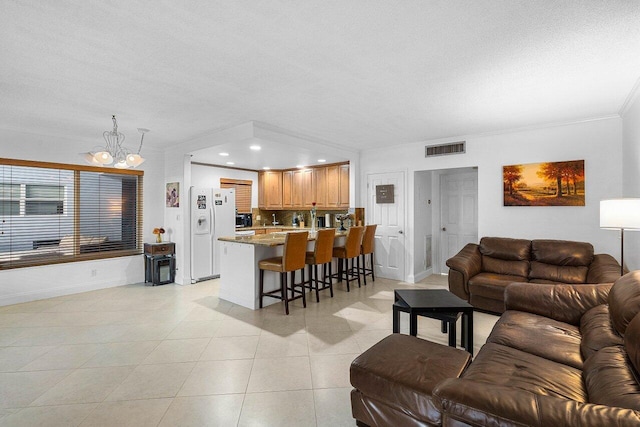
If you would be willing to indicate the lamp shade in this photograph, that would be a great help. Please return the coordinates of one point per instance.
(620, 214)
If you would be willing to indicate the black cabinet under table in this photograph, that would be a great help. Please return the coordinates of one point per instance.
(159, 263)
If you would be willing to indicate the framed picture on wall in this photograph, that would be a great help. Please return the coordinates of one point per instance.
(544, 184)
(173, 195)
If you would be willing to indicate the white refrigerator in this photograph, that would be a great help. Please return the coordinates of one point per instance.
(213, 215)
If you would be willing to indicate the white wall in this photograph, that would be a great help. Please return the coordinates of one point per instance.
(631, 174)
(209, 176)
(598, 143)
(27, 284)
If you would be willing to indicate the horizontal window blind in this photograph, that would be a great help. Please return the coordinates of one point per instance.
(52, 213)
(243, 192)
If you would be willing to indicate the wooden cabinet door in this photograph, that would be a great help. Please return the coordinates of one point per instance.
(287, 189)
(343, 200)
(297, 189)
(261, 190)
(319, 186)
(273, 194)
(333, 186)
(308, 193)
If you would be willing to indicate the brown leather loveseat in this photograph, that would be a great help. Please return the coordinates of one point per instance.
(560, 355)
(479, 273)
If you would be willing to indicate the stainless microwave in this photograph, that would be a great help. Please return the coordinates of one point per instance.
(244, 220)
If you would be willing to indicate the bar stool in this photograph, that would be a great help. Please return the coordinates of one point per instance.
(368, 241)
(321, 255)
(349, 251)
(292, 259)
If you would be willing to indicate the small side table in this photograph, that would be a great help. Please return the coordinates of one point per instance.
(159, 263)
(438, 304)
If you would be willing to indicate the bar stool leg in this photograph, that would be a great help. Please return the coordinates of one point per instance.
(358, 270)
(364, 268)
(304, 298)
(373, 277)
(346, 272)
(283, 291)
(315, 269)
(261, 287)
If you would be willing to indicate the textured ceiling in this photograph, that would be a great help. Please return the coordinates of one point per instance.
(357, 73)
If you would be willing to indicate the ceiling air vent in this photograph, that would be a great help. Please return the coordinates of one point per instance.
(445, 149)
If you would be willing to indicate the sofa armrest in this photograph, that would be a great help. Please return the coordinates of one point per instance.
(603, 269)
(562, 302)
(464, 265)
(477, 403)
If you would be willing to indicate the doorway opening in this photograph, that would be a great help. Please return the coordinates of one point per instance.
(445, 217)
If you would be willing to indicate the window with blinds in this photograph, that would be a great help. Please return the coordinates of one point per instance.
(52, 213)
(243, 192)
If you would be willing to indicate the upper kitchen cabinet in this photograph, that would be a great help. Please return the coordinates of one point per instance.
(328, 186)
(287, 189)
(338, 186)
(270, 184)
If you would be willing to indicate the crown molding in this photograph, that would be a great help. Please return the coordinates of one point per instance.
(630, 98)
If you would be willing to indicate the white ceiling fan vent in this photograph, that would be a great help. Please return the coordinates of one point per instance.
(445, 149)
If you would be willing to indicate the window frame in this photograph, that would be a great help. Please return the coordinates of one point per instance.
(73, 197)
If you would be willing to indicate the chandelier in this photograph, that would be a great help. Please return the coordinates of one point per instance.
(114, 153)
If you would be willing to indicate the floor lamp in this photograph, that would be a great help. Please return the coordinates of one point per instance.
(620, 214)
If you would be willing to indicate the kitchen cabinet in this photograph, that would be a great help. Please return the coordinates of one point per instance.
(319, 185)
(338, 186)
(287, 189)
(328, 186)
(270, 184)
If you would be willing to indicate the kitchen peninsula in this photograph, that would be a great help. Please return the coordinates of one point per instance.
(239, 272)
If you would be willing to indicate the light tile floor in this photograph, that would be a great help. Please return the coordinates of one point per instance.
(178, 356)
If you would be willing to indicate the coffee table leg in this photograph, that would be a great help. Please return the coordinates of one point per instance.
(413, 324)
(452, 335)
(396, 320)
(467, 328)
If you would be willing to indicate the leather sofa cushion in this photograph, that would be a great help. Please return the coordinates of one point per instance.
(632, 342)
(597, 331)
(624, 300)
(562, 252)
(610, 380)
(490, 285)
(501, 266)
(558, 273)
(505, 248)
(505, 366)
(540, 336)
(401, 372)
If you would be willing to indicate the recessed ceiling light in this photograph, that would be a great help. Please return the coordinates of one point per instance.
(223, 154)
(266, 168)
(255, 147)
(230, 163)
(322, 160)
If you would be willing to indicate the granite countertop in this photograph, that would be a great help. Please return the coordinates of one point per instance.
(271, 239)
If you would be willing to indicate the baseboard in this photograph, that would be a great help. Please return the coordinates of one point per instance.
(39, 294)
(422, 275)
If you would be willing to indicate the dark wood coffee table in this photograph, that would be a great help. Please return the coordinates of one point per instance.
(437, 304)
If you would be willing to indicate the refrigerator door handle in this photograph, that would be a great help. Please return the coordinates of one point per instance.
(212, 216)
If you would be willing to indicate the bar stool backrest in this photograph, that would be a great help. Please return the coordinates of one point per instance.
(323, 250)
(368, 239)
(354, 240)
(295, 250)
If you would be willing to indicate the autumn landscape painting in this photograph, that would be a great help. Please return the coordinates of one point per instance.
(544, 184)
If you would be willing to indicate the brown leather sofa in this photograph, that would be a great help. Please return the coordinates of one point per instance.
(479, 273)
(560, 355)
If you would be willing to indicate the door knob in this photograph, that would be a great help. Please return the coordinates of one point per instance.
(400, 232)
(444, 228)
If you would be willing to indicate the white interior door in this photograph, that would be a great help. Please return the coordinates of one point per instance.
(458, 213)
(389, 241)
